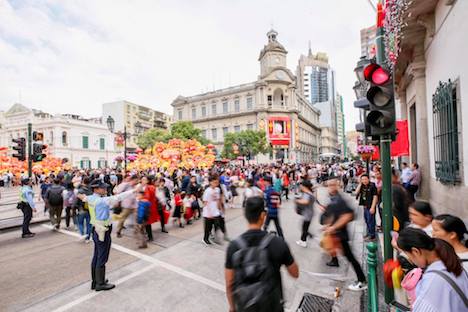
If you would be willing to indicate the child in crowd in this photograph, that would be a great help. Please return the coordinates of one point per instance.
(179, 206)
(142, 218)
(188, 212)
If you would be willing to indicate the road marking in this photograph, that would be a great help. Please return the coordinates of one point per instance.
(157, 262)
(333, 276)
(95, 293)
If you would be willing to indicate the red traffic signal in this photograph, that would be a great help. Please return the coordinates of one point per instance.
(376, 74)
(20, 148)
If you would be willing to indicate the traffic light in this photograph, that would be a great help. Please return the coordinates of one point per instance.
(20, 148)
(38, 136)
(38, 154)
(363, 126)
(381, 116)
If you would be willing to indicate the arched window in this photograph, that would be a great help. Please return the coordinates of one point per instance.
(64, 138)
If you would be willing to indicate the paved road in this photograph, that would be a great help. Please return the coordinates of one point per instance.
(176, 273)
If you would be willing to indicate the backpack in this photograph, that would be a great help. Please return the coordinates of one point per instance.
(253, 276)
(70, 198)
(55, 196)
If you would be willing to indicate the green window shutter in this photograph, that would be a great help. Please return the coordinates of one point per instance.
(81, 164)
(85, 142)
(102, 143)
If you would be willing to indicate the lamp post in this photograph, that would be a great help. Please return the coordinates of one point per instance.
(138, 128)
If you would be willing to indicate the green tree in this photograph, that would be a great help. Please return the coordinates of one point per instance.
(185, 130)
(249, 142)
(151, 136)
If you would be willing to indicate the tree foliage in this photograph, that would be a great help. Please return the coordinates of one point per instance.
(183, 130)
(151, 136)
(249, 142)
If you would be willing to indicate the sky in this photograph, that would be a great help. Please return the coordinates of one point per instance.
(72, 56)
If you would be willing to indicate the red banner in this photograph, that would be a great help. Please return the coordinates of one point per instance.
(279, 130)
(399, 147)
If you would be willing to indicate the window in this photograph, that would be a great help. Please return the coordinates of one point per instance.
(236, 128)
(213, 109)
(51, 138)
(203, 111)
(85, 164)
(249, 126)
(102, 163)
(225, 107)
(64, 138)
(179, 114)
(203, 133)
(270, 100)
(249, 103)
(214, 134)
(102, 144)
(237, 106)
(446, 128)
(194, 113)
(225, 131)
(85, 141)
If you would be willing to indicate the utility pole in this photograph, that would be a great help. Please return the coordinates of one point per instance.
(385, 141)
(29, 150)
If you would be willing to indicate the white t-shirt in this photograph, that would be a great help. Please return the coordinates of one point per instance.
(211, 196)
(464, 258)
(252, 191)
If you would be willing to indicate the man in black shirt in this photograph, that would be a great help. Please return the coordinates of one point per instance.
(368, 198)
(277, 250)
(337, 215)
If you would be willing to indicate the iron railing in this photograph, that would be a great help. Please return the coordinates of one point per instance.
(445, 125)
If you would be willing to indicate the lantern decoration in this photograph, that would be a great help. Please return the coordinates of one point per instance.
(175, 154)
(365, 151)
(119, 139)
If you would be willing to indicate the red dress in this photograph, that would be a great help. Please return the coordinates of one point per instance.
(150, 195)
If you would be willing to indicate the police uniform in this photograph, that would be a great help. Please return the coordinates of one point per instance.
(26, 204)
(99, 211)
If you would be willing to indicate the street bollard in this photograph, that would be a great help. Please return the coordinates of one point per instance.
(372, 292)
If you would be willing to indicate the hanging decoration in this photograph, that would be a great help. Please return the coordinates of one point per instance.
(393, 21)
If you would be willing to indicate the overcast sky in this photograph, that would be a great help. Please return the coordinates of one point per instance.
(72, 56)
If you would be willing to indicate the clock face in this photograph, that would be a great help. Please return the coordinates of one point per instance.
(280, 75)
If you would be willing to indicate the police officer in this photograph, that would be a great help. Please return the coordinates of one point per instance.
(99, 209)
(27, 206)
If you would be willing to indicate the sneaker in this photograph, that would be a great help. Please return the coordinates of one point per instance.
(87, 241)
(357, 286)
(301, 243)
(206, 242)
(82, 238)
(28, 235)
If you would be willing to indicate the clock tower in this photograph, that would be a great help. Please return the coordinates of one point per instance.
(272, 55)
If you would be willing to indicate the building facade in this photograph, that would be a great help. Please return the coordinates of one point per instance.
(135, 119)
(431, 75)
(271, 104)
(85, 143)
(368, 47)
(340, 125)
(316, 82)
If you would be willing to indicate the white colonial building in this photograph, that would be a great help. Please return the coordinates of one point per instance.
(85, 143)
(271, 103)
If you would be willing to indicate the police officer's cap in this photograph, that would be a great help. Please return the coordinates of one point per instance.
(98, 184)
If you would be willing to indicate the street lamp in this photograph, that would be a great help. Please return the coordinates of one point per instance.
(110, 123)
(359, 70)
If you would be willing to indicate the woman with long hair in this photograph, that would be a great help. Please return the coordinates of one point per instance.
(420, 214)
(452, 230)
(444, 284)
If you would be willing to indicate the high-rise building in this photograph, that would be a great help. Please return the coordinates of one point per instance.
(136, 118)
(340, 125)
(271, 104)
(316, 81)
(368, 48)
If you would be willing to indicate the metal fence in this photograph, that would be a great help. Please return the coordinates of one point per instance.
(446, 146)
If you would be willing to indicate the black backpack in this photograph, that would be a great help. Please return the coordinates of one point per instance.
(253, 289)
(55, 196)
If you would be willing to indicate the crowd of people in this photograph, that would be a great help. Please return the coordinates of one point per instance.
(96, 200)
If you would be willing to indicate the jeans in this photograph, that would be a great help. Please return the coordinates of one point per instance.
(208, 224)
(305, 230)
(277, 224)
(27, 216)
(83, 219)
(370, 222)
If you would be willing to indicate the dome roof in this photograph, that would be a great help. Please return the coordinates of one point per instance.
(273, 44)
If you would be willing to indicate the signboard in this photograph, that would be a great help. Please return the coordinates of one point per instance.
(279, 131)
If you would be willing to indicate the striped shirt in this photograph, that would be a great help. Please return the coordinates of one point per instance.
(435, 294)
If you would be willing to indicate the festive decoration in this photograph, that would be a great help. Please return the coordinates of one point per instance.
(393, 15)
(365, 151)
(173, 155)
(48, 165)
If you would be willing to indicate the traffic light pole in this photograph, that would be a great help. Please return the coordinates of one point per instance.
(29, 150)
(385, 141)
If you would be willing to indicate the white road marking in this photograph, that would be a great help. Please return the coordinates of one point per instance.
(93, 294)
(156, 262)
